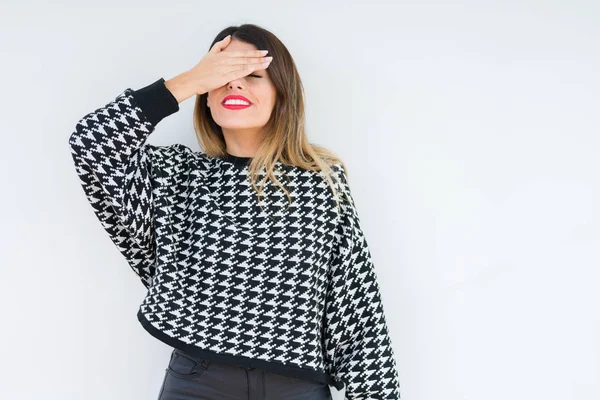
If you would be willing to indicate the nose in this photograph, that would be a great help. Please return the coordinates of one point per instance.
(235, 83)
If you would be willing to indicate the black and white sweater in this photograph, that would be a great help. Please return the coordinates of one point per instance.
(290, 290)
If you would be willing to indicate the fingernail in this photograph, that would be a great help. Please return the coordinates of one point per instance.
(263, 52)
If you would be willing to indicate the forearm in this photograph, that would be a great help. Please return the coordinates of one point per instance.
(183, 86)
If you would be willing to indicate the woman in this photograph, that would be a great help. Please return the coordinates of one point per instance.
(258, 272)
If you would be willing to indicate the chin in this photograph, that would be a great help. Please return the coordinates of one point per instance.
(235, 124)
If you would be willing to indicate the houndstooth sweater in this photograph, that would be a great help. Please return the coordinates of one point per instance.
(290, 290)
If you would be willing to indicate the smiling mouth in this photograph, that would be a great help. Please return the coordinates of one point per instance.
(235, 105)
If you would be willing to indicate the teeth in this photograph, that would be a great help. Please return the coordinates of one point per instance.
(237, 102)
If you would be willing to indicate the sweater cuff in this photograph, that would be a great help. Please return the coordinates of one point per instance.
(156, 101)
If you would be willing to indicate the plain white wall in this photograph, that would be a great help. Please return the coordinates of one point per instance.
(471, 131)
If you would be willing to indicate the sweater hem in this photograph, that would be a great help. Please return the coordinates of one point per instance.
(240, 361)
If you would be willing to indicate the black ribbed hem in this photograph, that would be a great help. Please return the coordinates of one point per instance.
(156, 101)
(275, 368)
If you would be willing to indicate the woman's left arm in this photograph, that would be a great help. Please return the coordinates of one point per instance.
(356, 337)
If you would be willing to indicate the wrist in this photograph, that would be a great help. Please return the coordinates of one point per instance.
(156, 101)
(182, 86)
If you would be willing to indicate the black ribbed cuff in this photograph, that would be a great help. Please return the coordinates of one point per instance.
(156, 101)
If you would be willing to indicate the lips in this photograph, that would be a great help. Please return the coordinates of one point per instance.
(235, 106)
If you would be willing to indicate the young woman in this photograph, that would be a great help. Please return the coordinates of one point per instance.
(258, 272)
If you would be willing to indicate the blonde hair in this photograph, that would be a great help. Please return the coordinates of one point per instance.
(286, 140)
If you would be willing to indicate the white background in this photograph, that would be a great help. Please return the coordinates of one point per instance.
(471, 135)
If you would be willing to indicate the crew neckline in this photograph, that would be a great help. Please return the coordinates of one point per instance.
(237, 160)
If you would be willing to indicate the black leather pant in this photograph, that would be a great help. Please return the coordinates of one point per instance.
(187, 377)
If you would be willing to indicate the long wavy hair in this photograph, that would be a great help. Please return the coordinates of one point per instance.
(286, 140)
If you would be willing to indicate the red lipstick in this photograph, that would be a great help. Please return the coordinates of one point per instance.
(237, 105)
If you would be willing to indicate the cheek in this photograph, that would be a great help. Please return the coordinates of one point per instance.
(213, 96)
(267, 96)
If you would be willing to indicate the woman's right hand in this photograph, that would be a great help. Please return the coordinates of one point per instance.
(218, 67)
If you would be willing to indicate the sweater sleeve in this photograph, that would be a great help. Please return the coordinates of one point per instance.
(356, 338)
(113, 164)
